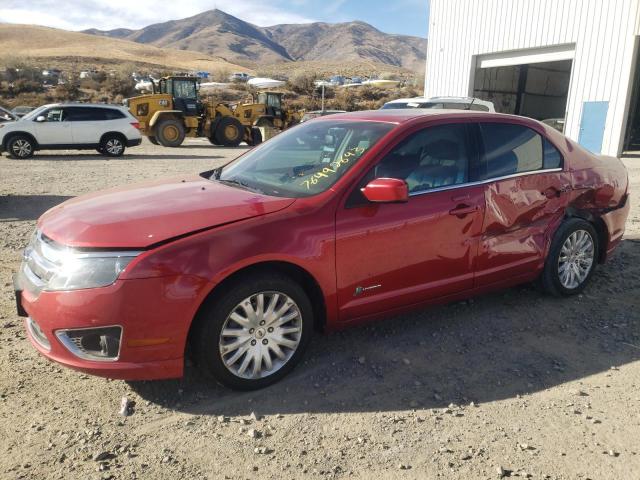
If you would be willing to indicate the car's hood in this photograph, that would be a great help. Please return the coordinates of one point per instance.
(142, 215)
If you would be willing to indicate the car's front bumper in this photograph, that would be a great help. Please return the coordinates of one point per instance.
(155, 315)
(134, 143)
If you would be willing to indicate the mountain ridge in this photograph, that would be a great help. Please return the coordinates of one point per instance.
(220, 34)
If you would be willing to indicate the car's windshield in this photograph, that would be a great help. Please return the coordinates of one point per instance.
(305, 160)
(34, 113)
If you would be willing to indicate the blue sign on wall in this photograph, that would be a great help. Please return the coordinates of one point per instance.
(594, 119)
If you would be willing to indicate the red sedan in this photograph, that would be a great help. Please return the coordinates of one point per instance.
(335, 222)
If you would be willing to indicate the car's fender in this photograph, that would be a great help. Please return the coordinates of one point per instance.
(164, 113)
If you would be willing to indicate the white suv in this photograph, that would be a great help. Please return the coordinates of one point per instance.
(82, 126)
(451, 103)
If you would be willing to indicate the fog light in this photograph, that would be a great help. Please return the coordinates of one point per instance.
(97, 344)
(37, 334)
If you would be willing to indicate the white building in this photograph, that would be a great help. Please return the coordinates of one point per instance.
(571, 60)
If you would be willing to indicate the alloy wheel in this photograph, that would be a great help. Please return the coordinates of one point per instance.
(260, 335)
(21, 148)
(576, 259)
(113, 146)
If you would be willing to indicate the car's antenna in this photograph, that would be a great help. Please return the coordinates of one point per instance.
(469, 106)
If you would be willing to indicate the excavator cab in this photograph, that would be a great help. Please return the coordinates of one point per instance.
(184, 91)
(273, 102)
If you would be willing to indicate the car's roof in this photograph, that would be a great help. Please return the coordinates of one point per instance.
(399, 116)
(437, 100)
(80, 104)
(327, 111)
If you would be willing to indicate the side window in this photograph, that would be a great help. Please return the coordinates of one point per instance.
(431, 158)
(509, 149)
(83, 114)
(54, 115)
(552, 157)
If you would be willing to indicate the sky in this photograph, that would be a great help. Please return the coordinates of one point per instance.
(408, 17)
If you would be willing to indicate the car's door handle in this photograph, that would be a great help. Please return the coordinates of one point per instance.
(462, 210)
(555, 192)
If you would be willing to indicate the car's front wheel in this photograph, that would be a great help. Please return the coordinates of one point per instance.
(20, 147)
(112, 146)
(572, 258)
(255, 333)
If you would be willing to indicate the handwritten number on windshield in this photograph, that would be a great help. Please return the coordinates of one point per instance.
(327, 172)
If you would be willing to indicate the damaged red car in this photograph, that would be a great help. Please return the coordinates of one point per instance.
(332, 223)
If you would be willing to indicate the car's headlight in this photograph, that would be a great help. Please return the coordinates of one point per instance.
(77, 271)
(50, 266)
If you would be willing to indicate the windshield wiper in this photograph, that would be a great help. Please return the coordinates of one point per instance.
(240, 184)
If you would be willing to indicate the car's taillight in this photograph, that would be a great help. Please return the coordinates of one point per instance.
(136, 125)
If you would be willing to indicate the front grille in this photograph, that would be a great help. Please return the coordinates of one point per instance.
(40, 260)
(37, 334)
(98, 344)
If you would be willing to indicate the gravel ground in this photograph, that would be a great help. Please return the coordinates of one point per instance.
(510, 384)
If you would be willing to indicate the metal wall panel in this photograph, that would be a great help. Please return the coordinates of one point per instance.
(603, 32)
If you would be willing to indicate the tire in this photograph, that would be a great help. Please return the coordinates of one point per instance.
(213, 141)
(154, 140)
(256, 137)
(226, 364)
(170, 132)
(567, 270)
(112, 145)
(229, 132)
(100, 150)
(20, 147)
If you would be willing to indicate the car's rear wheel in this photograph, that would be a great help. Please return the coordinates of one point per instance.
(20, 147)
(255, 333)
(112, 146)
(572, 258)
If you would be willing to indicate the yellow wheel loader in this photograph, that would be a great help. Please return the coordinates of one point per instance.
(175, 111)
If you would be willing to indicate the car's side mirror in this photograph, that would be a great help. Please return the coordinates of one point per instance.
(386, 190)
(41, 119)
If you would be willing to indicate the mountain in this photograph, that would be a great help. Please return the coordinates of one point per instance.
(353, 41)
(219, 34)
(34, 44)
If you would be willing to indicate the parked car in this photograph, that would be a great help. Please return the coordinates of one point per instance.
(7, 116)
(332, 223)
(107, 128)
(240, 77)
(451, 103)
(22, 110)
(319, 113)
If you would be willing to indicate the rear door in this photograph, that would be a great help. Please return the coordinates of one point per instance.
(525, 192)
(88, 124)
(55, 130)
(396, 254)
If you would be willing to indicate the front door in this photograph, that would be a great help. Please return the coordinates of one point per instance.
(392, 255)
(55, 130)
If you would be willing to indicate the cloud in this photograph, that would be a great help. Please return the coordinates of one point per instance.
(83, 14)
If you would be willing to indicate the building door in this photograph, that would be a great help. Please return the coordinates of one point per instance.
(594, 119)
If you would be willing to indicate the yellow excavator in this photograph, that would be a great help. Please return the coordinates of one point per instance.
(175, 111)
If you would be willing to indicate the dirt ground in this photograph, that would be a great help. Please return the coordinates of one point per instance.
(510, 384)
